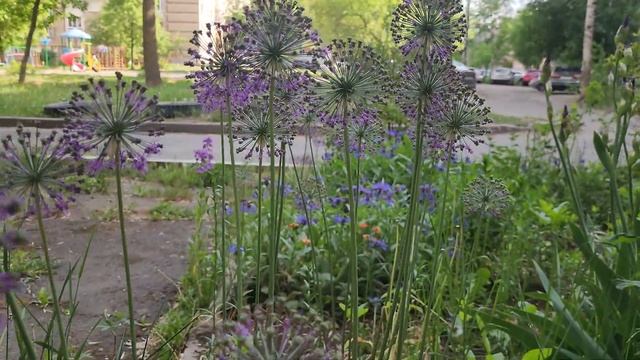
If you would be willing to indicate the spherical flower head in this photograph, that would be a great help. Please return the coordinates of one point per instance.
(351, 76)
(278, 37)
(296, 90)
(251, 127)
(102, 119)
(486, 197)
(33, 165)
(463, 121)
(423, 25)
(366, 133)
(223, 72)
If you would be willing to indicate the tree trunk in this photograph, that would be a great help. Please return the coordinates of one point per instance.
(466, 32)
(587, 45)
(150, 44)
(27, 51)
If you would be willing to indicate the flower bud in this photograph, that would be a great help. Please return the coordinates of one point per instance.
(622, 35)
(545, 70)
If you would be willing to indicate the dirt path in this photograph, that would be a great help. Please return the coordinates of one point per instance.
(158, 252)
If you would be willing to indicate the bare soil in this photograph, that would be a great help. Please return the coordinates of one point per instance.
(157, 254)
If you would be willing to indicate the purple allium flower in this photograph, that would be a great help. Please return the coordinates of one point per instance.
(366, 133)
(33, 166)
(248, 207)
(433, 23)
(378, 244)
(204, 156)
(105, 120)
(351, 76)
(9, 282)
(463, 121)
(12, 240)
(426, 81)
(277, 37)
(487, 197)
(340, 220)
(252, 128)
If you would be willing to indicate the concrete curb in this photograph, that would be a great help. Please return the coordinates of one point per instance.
(184, 126)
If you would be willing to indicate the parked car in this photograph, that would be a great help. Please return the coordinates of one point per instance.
(562, 79)
(502, 75)
(468, 75)
(517, 76)
(529, 76)
(480, 74)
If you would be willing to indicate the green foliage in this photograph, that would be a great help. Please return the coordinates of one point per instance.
(341, 19)
(119, 24)
(555, 28)
(170, 211)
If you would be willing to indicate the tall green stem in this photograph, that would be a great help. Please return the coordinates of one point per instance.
(258, 246)
(223, 223)
(432, 301)
(410, 234)
(236, 211)
(273, 251)
(353, 246)
(125, 253)
(312, 237)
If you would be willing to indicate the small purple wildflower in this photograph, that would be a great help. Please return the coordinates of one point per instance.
(303, 221)
(204, 156)
(12, 240)
(233, 249)
(9, 282)
(378, 244)
(248, 207)
(341, 220)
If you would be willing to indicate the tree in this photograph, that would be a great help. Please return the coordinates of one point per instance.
(27, 50)
(365, 20)
(120, 24)
(14, 19)
(52, 9)
(150, 44)
(556, 28)
(587, 44)
(490, 28)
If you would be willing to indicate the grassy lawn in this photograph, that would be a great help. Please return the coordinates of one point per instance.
(513, 120)
(39, 90)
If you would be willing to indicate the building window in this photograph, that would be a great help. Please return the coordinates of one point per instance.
(74, 21)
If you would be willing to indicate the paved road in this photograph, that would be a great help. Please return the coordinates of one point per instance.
(521, 101)
(504, 100)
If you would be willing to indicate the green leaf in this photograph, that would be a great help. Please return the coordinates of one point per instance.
(538, 354)
(603, 154)
(622, 284)
(576, 335)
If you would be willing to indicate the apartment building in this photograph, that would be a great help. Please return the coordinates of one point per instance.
(178, 17)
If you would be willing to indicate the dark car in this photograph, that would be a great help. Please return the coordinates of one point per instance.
(562, 79)
(467, 74)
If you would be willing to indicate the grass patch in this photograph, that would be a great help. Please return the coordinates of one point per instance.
(29, 98)
(513, 120)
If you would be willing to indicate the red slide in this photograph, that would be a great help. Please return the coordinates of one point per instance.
(68, 58)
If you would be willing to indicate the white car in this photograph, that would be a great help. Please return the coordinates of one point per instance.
(502, 76)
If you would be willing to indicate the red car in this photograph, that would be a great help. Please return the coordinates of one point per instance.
(529, 76)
